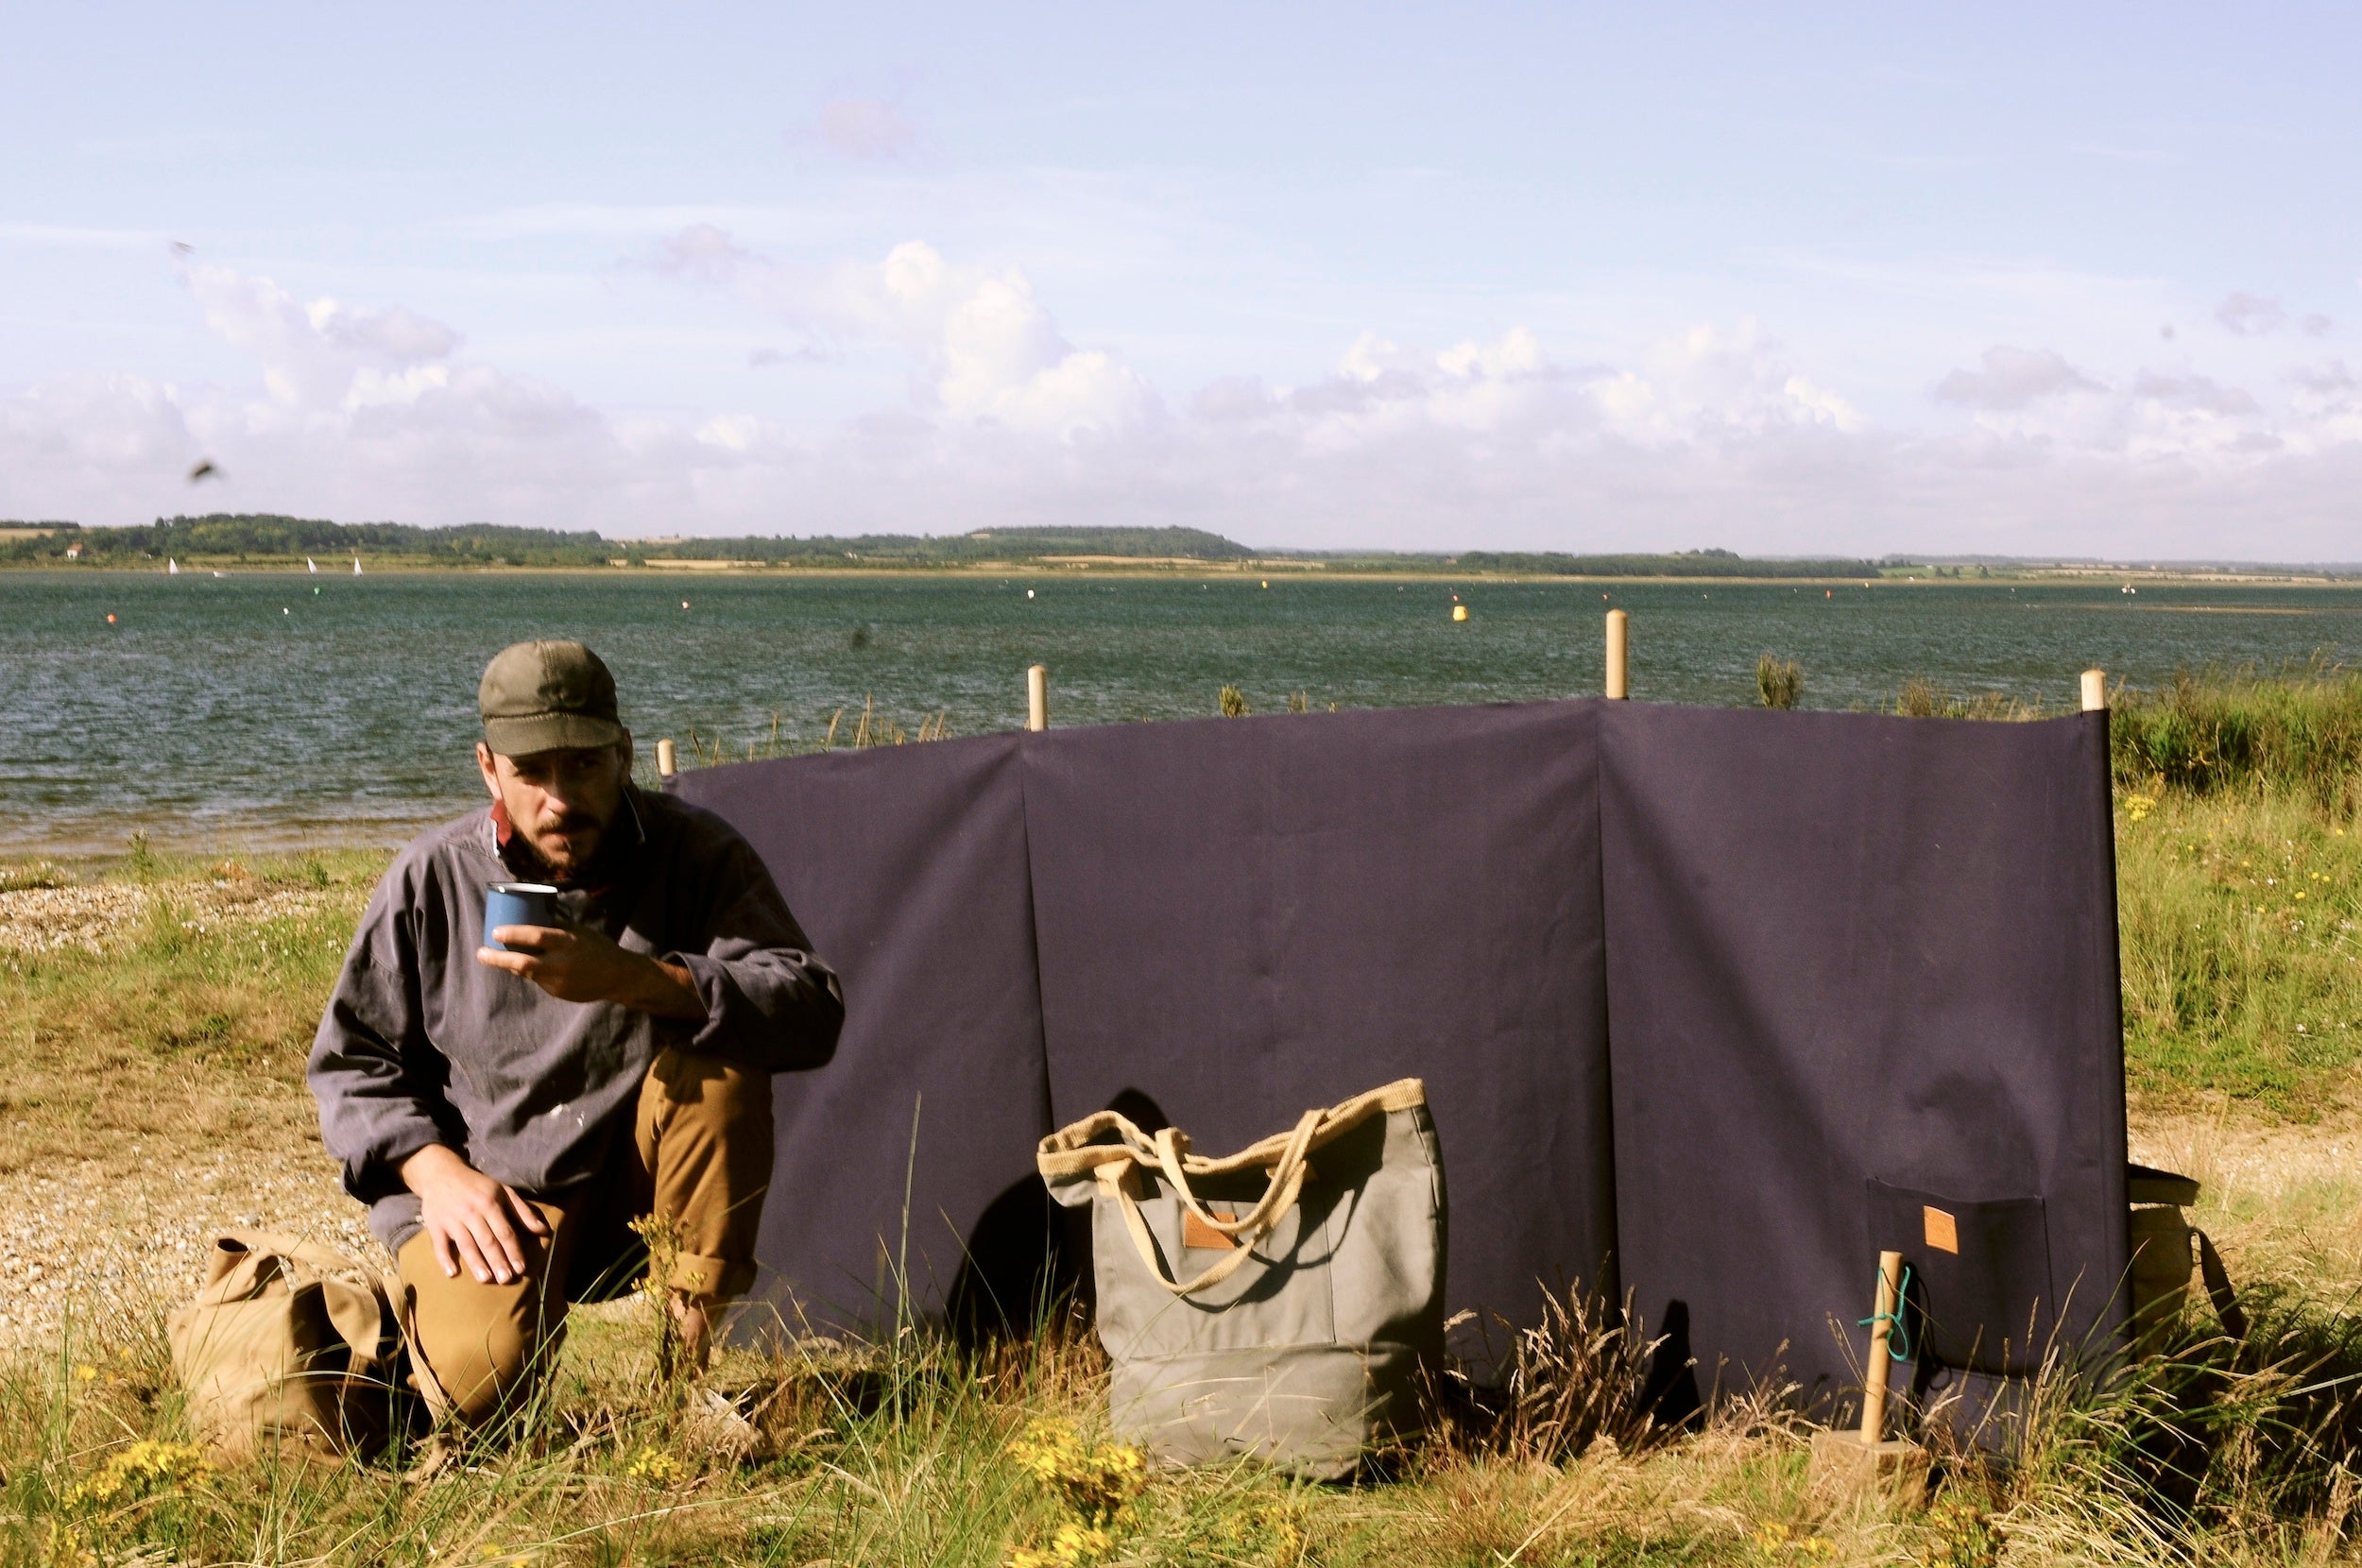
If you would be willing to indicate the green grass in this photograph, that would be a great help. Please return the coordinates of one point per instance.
(194, 1028)
(2296, 733)
(2238, 917)
(2239, 885)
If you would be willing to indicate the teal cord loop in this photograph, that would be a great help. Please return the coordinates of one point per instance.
(1898, 1337)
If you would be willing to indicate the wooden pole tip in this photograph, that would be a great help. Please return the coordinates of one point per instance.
(2095, 690)
(667, 762)
(1037, 697)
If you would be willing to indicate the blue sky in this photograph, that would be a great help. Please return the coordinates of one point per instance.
(2078, 280)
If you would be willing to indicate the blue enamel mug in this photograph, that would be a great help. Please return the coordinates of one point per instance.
(518, 904)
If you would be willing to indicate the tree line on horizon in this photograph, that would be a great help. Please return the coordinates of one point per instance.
(250, 536)
(265, 536)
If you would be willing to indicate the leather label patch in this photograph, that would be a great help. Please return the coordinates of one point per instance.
(1196, 1233)
(1944, 1234)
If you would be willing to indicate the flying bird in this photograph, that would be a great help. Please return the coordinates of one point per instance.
(204, 469)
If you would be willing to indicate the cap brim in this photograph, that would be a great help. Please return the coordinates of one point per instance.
(549, 732)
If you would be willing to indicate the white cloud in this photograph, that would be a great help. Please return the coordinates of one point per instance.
(2010, 379)
(2250, 315)
(1714, 385)
(319, 352)
(2196, 393)
(1721, 430)
(984, 348)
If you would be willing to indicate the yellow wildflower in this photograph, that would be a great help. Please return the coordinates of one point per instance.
(144, 1466)
(1096, 1486)
(1094, 1482)
(84, 1373)
(656, 1468)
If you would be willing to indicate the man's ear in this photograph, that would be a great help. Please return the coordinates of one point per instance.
(623, 748)
(486, 766)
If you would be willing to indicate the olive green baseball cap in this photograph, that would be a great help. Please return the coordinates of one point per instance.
(539, 696)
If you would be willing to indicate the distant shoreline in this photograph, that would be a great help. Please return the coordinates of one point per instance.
(1291, 569)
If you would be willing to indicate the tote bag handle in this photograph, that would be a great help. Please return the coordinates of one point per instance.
(1287, 1185)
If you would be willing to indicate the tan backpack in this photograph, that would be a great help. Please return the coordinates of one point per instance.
(289, 1346)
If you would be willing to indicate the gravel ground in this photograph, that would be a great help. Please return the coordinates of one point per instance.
(97, 916)
(102, 1239)
(132, 1232)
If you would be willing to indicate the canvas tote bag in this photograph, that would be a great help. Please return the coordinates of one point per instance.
(288, 1345)
(1276, 1303)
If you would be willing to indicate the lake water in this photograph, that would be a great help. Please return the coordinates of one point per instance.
(251, 711)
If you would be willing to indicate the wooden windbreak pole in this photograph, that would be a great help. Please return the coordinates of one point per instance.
(667, 763)
(1874, 1393)
(1619, 654)
(2095, 690)
(1037, 697)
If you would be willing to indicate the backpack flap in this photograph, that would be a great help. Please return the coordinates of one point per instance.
(286, 1345)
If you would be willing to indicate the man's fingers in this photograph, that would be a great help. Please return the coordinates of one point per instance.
(489, 1255)
(516, 963)
(526, 1214)
(502, 1239)
(445, 1253)
(532, 939)
(471, 1250)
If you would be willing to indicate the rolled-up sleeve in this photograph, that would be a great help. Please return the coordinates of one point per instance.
(377, 1077)
(771, 1004)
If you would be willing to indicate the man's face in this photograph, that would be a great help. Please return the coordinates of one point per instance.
(562, 801)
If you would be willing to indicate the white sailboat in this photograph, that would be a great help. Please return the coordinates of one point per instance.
(172, 568)
(311, 566)
(356, 566)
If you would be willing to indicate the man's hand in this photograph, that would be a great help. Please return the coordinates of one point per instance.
(583, 965)
(467, 1215)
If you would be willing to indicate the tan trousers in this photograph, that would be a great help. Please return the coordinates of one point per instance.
(700, 1157)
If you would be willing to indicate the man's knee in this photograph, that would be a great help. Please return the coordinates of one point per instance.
(705, 1133)
(485, 1345)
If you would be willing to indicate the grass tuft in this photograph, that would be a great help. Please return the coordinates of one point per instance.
(1779, 682)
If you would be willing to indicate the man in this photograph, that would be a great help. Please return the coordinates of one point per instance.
(508, 1111)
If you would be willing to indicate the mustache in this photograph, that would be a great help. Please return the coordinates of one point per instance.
(570, 824)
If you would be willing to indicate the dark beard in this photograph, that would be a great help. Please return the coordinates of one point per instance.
(525, 858)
